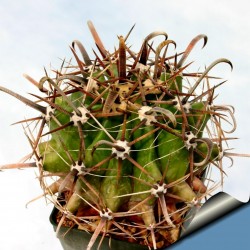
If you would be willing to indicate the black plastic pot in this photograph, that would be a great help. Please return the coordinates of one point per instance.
(217, 206)
(75, 239)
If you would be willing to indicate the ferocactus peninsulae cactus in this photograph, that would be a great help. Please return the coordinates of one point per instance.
(128, 137)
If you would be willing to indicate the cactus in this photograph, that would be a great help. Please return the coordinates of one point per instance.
(129, 138)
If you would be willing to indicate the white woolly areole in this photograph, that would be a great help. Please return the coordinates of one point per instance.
(209, 107)
(39, 162)
(106, 214)
(180, 106)
(89, 67)
(149, 118)
(195, 202)
(83, 118)
(92, 84)
(78, 168)
(148, 83)
(49, 110)
(160, 189)
(187, 107)
(121, 154)
(142, 68)
(221, 154)
(189, 135)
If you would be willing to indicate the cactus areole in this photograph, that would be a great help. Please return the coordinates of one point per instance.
(128, 138)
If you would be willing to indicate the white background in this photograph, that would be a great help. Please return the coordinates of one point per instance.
(35, 34)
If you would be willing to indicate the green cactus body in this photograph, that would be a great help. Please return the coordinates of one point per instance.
(145, 155)
(117, 185)
(175, 157)
(55, 159)
(202, 151)
(174, 83)
(114, 188)
(199, 121)
(91, 159)
(54, 156)
(78, 198)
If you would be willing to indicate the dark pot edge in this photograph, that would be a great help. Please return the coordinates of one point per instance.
(124, 244)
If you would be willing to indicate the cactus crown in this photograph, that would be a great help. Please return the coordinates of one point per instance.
(129, 138)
